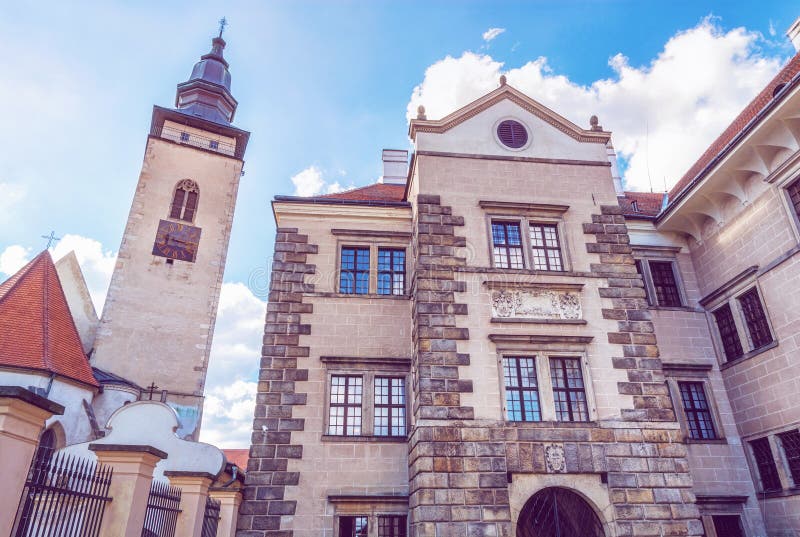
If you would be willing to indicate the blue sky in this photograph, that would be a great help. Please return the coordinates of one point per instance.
(324, 86)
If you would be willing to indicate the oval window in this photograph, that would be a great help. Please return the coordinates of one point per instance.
(512, 134)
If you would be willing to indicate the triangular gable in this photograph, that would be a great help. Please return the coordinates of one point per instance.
(36, 327)
(520, 99)
(78, 298)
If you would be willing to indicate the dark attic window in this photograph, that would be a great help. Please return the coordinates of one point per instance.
(778, 89)
(635, 206)
(512, 134)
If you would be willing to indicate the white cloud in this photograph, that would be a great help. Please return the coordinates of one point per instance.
(233, 368)
(309, 182)
(491, 33)
(663, 115)
(11, 194)
(14, 258)
(96, 264)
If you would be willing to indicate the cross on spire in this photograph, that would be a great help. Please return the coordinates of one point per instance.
(223, 22)
(151, 389)
(51, 239)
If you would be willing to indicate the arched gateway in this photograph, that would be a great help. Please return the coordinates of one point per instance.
(558, 512)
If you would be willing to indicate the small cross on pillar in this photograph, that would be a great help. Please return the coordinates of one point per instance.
(152, 388)
(223, 22)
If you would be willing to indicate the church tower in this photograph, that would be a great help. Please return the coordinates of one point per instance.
(159, 315)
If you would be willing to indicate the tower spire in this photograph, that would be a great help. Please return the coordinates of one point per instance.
(207, 93)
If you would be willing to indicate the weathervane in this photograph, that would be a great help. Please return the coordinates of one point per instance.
(223, 22)
(51, 239)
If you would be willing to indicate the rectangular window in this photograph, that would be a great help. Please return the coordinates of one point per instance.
(545, 248)
(345, 411)
(392, 526)
(353, 526)
(664, 283)
(728, 334)
(727, 525)
(507, 245)
(184, 137)
(391, 271)
(213, 144)
(522, 390)
(755, 319)
(569, 393)
(790, 440)
(390, 406)
(794, 196)
(698, 413)
(765, 463)
(354, 271)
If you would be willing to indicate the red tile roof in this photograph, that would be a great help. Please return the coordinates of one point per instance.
(36, 327)
(748, 114)
(238, 457)
(375, 192)
(648, 204)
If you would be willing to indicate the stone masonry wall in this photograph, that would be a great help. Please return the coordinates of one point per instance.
(267, 478)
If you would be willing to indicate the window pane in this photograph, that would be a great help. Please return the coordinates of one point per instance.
(392, 526)
(345, 405)
(664, 283)
(790, 441)
(354, 270)
(762, 453)
(391, 271)
(353, 526)
(177, 203)
(728, 334)
(546, 250)
(755, 319)
(522, 393)
(566, 376)
(698, 414)
(507, 245)
(390, 410)
(191, 206)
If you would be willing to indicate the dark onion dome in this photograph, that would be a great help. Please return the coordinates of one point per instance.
(207, 93)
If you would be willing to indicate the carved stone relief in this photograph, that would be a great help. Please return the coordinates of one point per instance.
(554, 459)
(536, 304)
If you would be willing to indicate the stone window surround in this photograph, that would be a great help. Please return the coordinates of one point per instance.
(374, 243)
(684, 372)
(645, 254)
(368, 369)
(729, 294)
(788, 486)
(371, 507)
(784, 185)
(719, 505)
(524, 214)
(542, 353)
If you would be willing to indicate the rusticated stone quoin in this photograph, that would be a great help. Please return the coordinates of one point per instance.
(267, 476)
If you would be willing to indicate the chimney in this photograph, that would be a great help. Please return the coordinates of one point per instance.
(794, 34)
(395, 167)
(612, 158)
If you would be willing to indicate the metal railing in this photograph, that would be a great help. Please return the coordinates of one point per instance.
(163, 508)
(195, 140)
(64, 496)
(211, 518)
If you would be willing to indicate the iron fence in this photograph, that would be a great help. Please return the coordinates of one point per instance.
(211, 518)
(196, 140)
(163, 507)
(64, 496)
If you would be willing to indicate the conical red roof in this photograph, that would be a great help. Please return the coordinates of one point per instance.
(36, 327)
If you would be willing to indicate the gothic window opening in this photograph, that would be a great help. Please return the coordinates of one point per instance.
(569, 392)
(507, 245)
(755, 318)
(765, 463)
(390, 406)
(391, 271)
(729, 336)
(546, 250)
(345, 407)
(522, 389)
(697, 410)
(184, 201)
(558, 512)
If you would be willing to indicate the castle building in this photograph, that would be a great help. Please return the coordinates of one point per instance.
(499, 341)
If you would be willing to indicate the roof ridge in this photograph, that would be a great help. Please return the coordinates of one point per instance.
(45, 317)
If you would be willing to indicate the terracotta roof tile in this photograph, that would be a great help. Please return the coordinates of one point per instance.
(36, 327)
(748, 114)
(239, 457)
(374, 192)
(647, 204)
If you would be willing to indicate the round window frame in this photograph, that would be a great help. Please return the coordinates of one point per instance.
(525, 126)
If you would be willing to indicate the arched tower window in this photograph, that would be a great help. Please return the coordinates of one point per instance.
(558, 512)
(184, 201)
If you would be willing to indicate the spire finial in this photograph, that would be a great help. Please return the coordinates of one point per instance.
(223, 22)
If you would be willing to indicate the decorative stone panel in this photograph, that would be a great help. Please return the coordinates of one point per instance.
(533, 303)
(271, 446)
